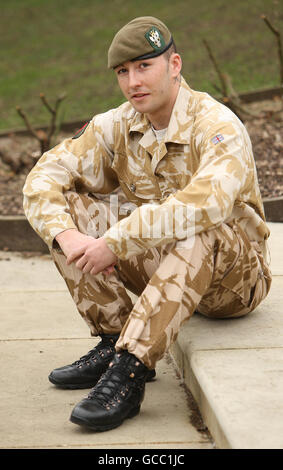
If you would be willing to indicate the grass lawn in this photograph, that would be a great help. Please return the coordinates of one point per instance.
(56, 46)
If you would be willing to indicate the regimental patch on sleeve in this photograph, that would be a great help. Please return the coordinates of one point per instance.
(80, 131)
(217, 139)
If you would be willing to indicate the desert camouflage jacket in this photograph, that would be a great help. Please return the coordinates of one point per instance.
(201, 175)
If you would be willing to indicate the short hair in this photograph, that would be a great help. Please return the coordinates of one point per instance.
(172, 50)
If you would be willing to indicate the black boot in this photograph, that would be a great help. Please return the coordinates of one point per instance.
(85, 372)
(117, 395)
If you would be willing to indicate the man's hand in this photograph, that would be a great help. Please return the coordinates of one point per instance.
(91, 255)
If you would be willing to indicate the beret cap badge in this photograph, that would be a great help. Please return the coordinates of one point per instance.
(155, 38)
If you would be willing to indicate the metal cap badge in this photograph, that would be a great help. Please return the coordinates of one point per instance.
(155, 39)
(142, 38)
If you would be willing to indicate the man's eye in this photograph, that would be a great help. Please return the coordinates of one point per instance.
(121, 71)
(144, 65)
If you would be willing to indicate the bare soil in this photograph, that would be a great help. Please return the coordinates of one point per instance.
(19, 154)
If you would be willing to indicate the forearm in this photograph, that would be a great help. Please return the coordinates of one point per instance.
(71, 240)
(64, 237)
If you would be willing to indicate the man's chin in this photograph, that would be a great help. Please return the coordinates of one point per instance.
(139, 107)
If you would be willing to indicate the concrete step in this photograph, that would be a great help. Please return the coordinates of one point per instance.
(234, 368)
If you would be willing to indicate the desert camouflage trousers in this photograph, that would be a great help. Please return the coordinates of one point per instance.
(221, 274)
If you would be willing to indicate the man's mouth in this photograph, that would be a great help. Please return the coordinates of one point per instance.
(139, 96)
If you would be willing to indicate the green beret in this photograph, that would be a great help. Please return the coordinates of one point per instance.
(142, 38)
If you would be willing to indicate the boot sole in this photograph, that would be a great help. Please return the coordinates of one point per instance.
(151, 375)
(100, 428)
(65, 386)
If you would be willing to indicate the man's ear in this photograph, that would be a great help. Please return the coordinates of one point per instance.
(175, 64)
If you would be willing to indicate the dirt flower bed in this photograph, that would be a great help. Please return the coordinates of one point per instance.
(18, 155)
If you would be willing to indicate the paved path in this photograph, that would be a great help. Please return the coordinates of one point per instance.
(234, 369)
(40, 330)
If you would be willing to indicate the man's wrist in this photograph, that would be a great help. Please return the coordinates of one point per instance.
(64, 234)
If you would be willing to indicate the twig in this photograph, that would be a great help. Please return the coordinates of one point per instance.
(46, 104)
(24, 117)
(229, 95)
(43, 137)
(216, 87)
(279, 45)
(40, 135)
(225, 82)
(217, 68)
(53, 112)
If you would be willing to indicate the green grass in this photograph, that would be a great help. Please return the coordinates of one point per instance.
(56, 46)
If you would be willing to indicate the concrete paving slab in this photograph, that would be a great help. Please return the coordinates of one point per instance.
(243, 388)
(35, 414)
(40, 314)
(19, 271)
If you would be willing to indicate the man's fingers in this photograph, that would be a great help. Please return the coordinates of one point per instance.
(87, 268)
(82, 262)
(75, 254)
(109, 269)
(93, 257)
(94, 271)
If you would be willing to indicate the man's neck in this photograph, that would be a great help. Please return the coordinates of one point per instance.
(160, 119)
(159, 123)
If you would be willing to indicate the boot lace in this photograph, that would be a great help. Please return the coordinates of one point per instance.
(110, 389)
(103, 349)
(114, 386)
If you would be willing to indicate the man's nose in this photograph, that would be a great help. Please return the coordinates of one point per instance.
(134, 80)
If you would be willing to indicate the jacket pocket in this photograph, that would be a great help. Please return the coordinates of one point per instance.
(136, 184)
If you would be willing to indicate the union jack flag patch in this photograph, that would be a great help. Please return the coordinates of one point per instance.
(217, 138)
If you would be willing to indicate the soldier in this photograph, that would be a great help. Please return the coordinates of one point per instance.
(158, 196)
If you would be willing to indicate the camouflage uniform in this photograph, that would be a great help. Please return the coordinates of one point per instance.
(184, 217)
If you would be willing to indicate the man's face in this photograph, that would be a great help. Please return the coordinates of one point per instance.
(149, 85)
